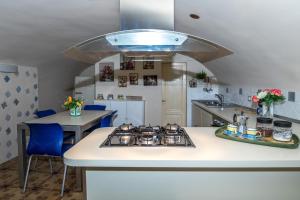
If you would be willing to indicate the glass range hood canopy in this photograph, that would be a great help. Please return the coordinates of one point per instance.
(146, 42)
(146, 37)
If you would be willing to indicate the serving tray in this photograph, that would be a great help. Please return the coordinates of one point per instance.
(293, 144)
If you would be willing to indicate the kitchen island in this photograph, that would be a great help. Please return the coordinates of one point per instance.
(214, 169)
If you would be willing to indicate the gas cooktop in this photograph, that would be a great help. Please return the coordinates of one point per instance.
(128, 135)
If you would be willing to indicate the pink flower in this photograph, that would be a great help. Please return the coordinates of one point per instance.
(255, 99)
(276, 92)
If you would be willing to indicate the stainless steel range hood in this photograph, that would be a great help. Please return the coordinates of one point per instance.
(147, 30)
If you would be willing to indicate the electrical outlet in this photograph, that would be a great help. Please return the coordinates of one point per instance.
(250, 98)
(291, 96)
(227, 90)
(241, 91)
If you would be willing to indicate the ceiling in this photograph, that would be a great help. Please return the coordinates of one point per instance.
(264, 35)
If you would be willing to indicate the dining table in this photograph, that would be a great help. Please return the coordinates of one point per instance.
(77, 124)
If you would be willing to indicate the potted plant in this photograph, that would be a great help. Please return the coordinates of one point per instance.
(201, 75)
(74, 105)
(268, 97)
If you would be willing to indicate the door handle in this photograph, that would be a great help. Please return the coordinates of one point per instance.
(163, 101)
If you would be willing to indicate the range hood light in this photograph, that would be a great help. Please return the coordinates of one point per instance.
(149, 37)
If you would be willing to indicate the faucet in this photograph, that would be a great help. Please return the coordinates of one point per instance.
(221, 100)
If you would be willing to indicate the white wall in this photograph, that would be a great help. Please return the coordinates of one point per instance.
(287, 109)
(153, 94)
(18, 102)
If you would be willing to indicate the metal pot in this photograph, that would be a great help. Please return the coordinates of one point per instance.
(126, 127)
(172, 127)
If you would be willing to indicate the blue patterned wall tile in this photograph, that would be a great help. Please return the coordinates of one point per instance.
(7, 117)
(7, 94)
(15, 106)
(8, 155)
(6, 79)
(18, 89)
(27, 113)
(4, 105)
(16, 102)
(8, 131)
(8, 143)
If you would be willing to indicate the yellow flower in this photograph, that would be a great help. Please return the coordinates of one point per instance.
(81, 102)
(66, 103)
(78, 104)
(69, 99)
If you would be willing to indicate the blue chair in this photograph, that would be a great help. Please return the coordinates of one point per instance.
(44, 113)
(68, 136)
(107, 121)
(46, 140)
(94, 107)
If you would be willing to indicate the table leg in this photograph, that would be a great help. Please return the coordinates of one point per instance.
(78, 170)
(21, 153)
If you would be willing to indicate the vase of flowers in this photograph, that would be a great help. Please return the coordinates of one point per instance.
(74, 105)
(267, 98)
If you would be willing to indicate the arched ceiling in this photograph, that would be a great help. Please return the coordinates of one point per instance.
(264, 35)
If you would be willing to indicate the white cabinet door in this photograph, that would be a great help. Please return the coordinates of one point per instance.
(136, 112)
(120, 106)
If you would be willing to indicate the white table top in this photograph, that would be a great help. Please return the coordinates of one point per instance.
(210, 152)
(64, 118)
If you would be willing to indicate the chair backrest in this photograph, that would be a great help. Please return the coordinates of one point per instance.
(94, 107)
(45, 139)
(44, 113)
(107, 121)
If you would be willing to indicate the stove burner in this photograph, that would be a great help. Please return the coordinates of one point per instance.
(128, 135)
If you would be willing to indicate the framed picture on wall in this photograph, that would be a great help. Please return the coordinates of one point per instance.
(122, 81)
(133, 78)
(127, 63)
(106, 72)
(150, 80)
(148, 63)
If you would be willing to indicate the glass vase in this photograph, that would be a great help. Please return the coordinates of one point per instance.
(268, 110)
(75, 111)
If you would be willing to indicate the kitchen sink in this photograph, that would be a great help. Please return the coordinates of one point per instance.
(215, 103)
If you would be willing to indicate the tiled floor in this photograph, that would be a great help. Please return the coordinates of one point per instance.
(41, 184)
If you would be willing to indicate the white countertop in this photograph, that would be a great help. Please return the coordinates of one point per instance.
(210, 152)
(228, 113)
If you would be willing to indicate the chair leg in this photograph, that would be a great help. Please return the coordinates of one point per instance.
(64, 179)
(35, 162)
(51, 168)
(27, 173)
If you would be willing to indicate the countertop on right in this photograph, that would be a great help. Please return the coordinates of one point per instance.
(228, 112)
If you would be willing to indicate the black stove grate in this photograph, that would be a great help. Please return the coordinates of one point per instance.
(148, 136)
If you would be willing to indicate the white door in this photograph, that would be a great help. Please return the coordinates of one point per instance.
(174, 93)
(84, 89)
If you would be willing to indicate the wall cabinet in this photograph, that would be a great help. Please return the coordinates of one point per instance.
(200, 117)
(128, 111)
